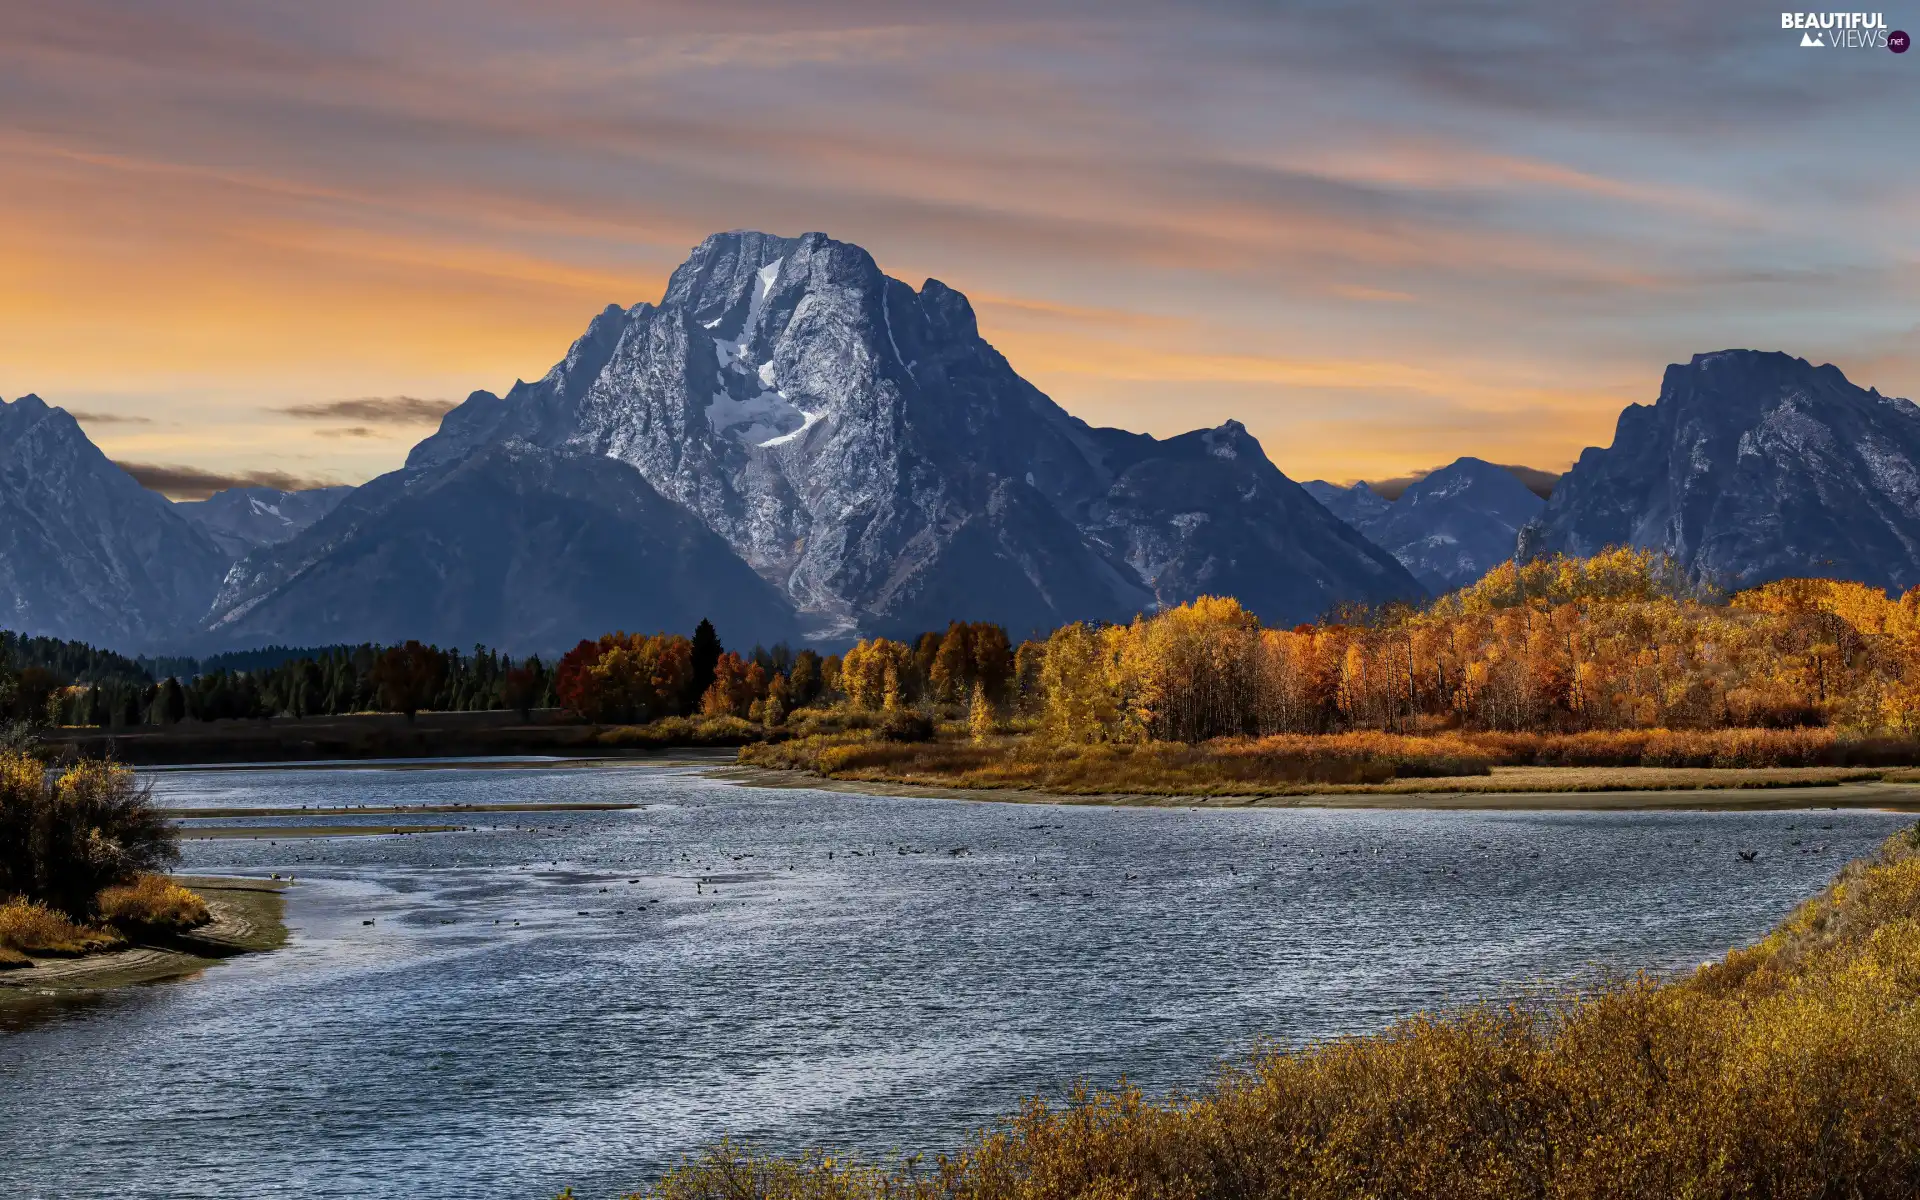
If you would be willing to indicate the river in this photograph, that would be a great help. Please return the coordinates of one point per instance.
(582, 997)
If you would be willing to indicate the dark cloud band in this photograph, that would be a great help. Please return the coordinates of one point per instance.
(376, 410)
(195, 483)
(106, 418)
(1539, 482)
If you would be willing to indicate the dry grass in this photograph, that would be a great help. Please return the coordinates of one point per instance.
(1626, 779)
(1792, 1069)
(29, 927)
(1705, 748)
(670, 732)
(152, 903)
(1353, 763)
(1269, 766)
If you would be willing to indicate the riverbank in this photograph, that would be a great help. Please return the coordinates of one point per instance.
(1527, 789)
(248, 917)
(374, 736)
(1446, 768)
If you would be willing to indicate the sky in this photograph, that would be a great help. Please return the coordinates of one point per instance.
(263, 240)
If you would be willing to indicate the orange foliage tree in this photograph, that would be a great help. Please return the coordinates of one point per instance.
(626, 677)
(1621, 640)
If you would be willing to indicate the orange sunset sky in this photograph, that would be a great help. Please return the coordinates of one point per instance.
(1381, 236)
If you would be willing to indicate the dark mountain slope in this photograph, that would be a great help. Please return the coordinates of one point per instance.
(1752, 466)
(514, 546)
(86, 553)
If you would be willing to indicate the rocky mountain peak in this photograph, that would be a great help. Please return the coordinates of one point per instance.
(860, 445)
(1752, 466)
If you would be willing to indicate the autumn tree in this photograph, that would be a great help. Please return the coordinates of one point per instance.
(521, 687)
(804, 682)
(407, 677)
(871, 673)
(626, 677)
(706, 653)
(980, 713)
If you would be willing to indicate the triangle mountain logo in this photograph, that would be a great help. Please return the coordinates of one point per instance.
(1813, 39)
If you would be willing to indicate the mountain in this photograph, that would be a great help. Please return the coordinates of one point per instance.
(1448, 527)
(1749, 467)
(1356, 504)
(1453, 526)
(858, 444)
(513, 546)
(243, 519)
(85, 552)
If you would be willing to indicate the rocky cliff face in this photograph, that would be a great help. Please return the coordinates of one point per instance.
(85, 552)
(1752, 466)
(513, 546)
(862, 447)
(243, 519)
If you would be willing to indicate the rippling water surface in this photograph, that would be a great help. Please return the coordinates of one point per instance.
(581, 997)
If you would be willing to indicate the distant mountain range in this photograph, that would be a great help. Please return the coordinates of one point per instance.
(243, 519)
(799, 447)
(1449, 527)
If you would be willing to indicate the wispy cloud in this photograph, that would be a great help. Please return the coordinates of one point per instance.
(197, 483)
(1378, 237)
(88, 417)
(379, 410)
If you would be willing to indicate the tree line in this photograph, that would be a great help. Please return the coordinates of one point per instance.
(46, 681)
(1622, 640)
(638, 678)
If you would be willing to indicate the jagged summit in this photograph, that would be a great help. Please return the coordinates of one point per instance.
(1752, 465)
(858, 444)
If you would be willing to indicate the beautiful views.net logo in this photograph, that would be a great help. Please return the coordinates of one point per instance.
(1845, 31)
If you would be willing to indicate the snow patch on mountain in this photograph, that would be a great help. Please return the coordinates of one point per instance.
(757, 419)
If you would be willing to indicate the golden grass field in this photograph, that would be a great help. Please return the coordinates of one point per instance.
(1354, 764)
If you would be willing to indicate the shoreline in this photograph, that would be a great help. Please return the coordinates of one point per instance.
(1599, 789)
(1728, 797)
(248, 918)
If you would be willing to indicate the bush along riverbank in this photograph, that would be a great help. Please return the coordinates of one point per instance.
(79, 852)
(1791, 1068)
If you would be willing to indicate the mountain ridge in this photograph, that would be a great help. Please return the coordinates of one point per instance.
(1750, 466)
(857, 442)
(86, 553)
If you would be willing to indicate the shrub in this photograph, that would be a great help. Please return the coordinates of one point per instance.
(30, 927)
(1721, 748)
(152, 903)
(64, 837)
(900, 725)
(681, 731)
